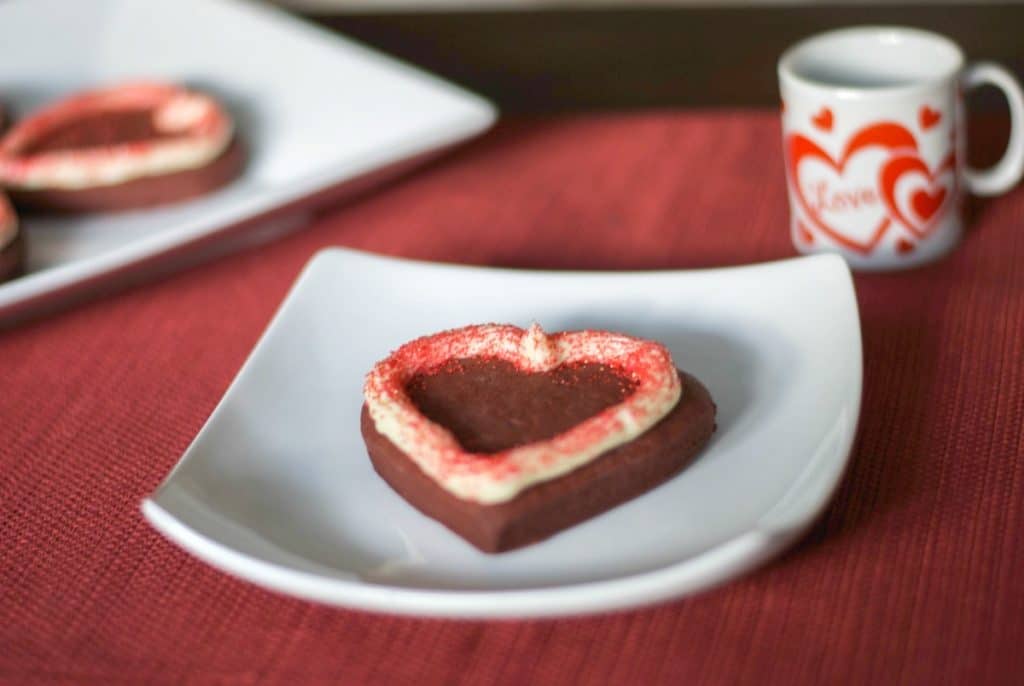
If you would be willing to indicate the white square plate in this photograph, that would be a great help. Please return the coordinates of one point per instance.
(277, 487)
(315, 111)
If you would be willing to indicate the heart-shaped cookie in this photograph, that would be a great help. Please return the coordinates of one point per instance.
(501, 476)
(68, 155)
(507, 435)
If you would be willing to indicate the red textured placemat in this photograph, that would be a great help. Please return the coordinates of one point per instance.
(913, 576)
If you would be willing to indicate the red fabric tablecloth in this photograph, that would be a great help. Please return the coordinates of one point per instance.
(915, 574)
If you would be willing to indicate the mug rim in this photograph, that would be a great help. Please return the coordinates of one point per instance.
(788, 74)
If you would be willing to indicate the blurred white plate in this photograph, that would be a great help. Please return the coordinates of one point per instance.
(316, 111)
(277, 487)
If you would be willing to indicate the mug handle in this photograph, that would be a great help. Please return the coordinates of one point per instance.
(1008, 171)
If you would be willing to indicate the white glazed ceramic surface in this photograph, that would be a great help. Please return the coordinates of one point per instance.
(277, 487)
(873, 132)
(315, 110)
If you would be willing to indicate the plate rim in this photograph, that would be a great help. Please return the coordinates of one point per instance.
(777, 528)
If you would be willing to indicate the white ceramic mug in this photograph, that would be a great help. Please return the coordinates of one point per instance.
(873, 131)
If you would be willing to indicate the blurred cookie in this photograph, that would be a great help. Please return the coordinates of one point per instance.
(125, 147)
(12, 245)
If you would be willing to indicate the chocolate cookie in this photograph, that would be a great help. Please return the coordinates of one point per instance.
(126, 147)
(12, 244)
(492, 407)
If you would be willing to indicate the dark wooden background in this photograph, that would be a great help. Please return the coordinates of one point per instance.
(557, 60)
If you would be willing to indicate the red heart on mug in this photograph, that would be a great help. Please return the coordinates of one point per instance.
(926, 203)
(840, 195)
(915, 195)
(929, 117)
(823, 119)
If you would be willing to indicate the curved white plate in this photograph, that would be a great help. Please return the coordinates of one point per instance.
(277, 487)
